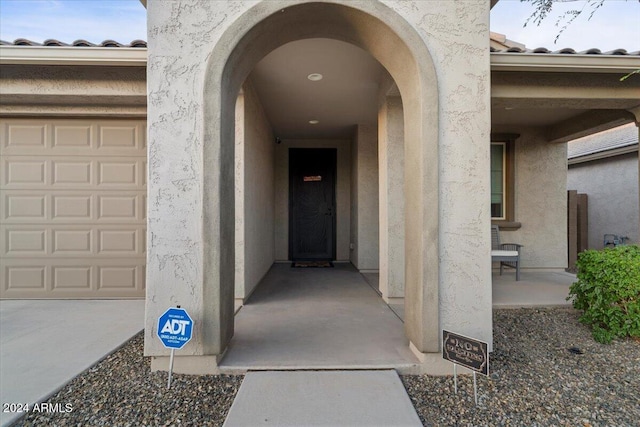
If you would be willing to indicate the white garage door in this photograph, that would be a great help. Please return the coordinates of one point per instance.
(72, 208)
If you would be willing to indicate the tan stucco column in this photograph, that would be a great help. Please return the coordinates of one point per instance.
(391, 190)
(364, 198)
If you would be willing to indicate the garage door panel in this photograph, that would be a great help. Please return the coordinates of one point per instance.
(74, 242)
(23, 279)
(71, 241)
(72, 173)
(73, 278)
(72, 208)
(25, 241)
(24, 172)
(122, 172)
(120, 208)
(112, 173)
(120, 136)
(73, 137)
(17, 206)
(24, 136)
(120, 242)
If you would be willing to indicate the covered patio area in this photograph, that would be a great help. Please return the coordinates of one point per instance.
(536, 288)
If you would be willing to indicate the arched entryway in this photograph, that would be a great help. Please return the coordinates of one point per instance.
(381, 32)
(200, 55)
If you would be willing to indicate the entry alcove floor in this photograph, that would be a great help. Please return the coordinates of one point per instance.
(320, 318)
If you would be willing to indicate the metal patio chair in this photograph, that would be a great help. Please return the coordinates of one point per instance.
(507, 254)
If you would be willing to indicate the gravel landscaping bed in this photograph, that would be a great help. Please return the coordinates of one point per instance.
(121, 390)
(535, 380)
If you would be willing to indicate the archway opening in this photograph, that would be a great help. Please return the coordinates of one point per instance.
(384, 35)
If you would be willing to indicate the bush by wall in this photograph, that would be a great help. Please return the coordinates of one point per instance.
(608, 291)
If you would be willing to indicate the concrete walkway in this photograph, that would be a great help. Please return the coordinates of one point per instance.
(319, 318)
(326, 398)
(46, 343)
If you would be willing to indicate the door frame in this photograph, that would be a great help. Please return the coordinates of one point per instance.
(334, 160)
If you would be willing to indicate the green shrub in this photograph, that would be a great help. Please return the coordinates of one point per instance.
(608, 291)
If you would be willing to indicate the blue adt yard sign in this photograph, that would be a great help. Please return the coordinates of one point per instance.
(174, 328)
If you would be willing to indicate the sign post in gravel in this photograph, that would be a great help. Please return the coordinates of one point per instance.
(174, 330)
(468, 352)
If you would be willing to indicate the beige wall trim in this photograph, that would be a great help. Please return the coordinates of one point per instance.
(68, 111)
(501, 61)
(62, 55)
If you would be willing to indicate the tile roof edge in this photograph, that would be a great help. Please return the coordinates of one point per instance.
(76, 43)
(71, 55)
(617, 150)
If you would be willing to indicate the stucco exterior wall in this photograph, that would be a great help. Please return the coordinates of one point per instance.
(452, 250)
(255, 192)
(457, 36)
(80, 91)
(365, 161)
(391, 197)
(611, 185)
(343, 194)
(540, 200)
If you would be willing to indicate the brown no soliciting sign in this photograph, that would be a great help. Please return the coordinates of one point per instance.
(465, 351)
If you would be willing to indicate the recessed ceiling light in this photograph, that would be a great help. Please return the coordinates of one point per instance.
(314, 122)
(314, 77)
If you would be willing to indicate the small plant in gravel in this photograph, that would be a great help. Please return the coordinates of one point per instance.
(608, 292)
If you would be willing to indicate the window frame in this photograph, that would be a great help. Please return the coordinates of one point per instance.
(503, 179)
(508, 220)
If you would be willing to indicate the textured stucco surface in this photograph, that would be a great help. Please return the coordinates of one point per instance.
(442, 71)
(391, 197)
(365, 161)
(72, 84)
(73, 91)
(255, 192)
(540, 200)
(343, 194)
(456, 34)
(611, 185)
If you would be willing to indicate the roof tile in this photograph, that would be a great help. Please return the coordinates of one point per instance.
(143, 44)
(611, 139)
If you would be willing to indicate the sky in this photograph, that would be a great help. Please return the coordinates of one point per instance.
(615, 25)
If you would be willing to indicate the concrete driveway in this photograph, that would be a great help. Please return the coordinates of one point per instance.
(46, 343)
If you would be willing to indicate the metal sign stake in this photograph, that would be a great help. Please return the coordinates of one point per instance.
(455, 378)
(170, 369)
(175, 328)
(468, 352)
(475, 388)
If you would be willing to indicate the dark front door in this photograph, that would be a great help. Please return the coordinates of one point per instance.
(312, 177)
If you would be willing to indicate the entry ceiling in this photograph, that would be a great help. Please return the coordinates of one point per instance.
(347, 94)
(352, 79)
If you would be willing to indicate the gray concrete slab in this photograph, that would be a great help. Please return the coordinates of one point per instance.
(329, 398)
(46, 343)
(327, 318)
(536, 288)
